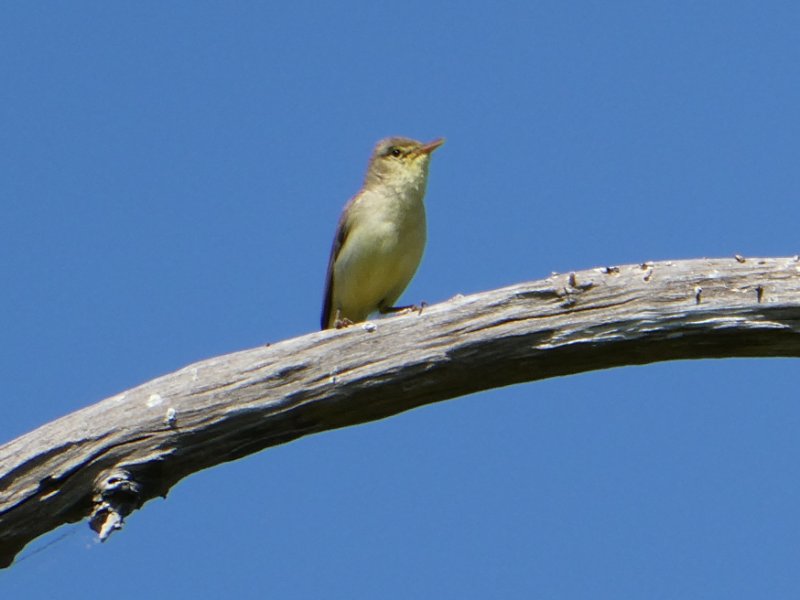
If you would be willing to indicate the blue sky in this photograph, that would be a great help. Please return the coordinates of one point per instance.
(173, 173)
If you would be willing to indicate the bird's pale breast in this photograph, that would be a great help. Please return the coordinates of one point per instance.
(380, 255)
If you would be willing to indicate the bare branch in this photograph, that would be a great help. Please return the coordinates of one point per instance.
(108, 459)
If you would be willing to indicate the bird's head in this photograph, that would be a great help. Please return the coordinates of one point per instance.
(400, 163)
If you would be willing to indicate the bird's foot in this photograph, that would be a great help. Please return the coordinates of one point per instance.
(417, 308)
(342, 323)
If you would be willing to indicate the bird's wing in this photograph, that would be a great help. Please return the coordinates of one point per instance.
(342, 229)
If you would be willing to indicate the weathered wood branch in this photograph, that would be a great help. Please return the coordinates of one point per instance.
(108, 459)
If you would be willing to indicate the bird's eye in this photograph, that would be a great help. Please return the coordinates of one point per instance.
(395, 152)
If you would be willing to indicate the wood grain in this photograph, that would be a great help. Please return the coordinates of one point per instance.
(108, 459)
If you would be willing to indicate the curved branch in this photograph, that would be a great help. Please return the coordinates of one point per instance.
(108, 459)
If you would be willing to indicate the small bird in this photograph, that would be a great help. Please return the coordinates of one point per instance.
(380, 236)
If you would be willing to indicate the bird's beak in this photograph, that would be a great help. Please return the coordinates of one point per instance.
(429, 147)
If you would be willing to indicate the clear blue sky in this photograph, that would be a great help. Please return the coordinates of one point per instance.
(172, 175)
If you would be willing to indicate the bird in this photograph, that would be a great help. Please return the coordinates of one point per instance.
(380, 236)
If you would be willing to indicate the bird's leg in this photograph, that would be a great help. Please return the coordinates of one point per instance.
(341, 322)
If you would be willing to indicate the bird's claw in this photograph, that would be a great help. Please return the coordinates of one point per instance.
(342, 323)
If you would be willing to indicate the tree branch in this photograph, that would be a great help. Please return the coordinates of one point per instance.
(108, 459)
